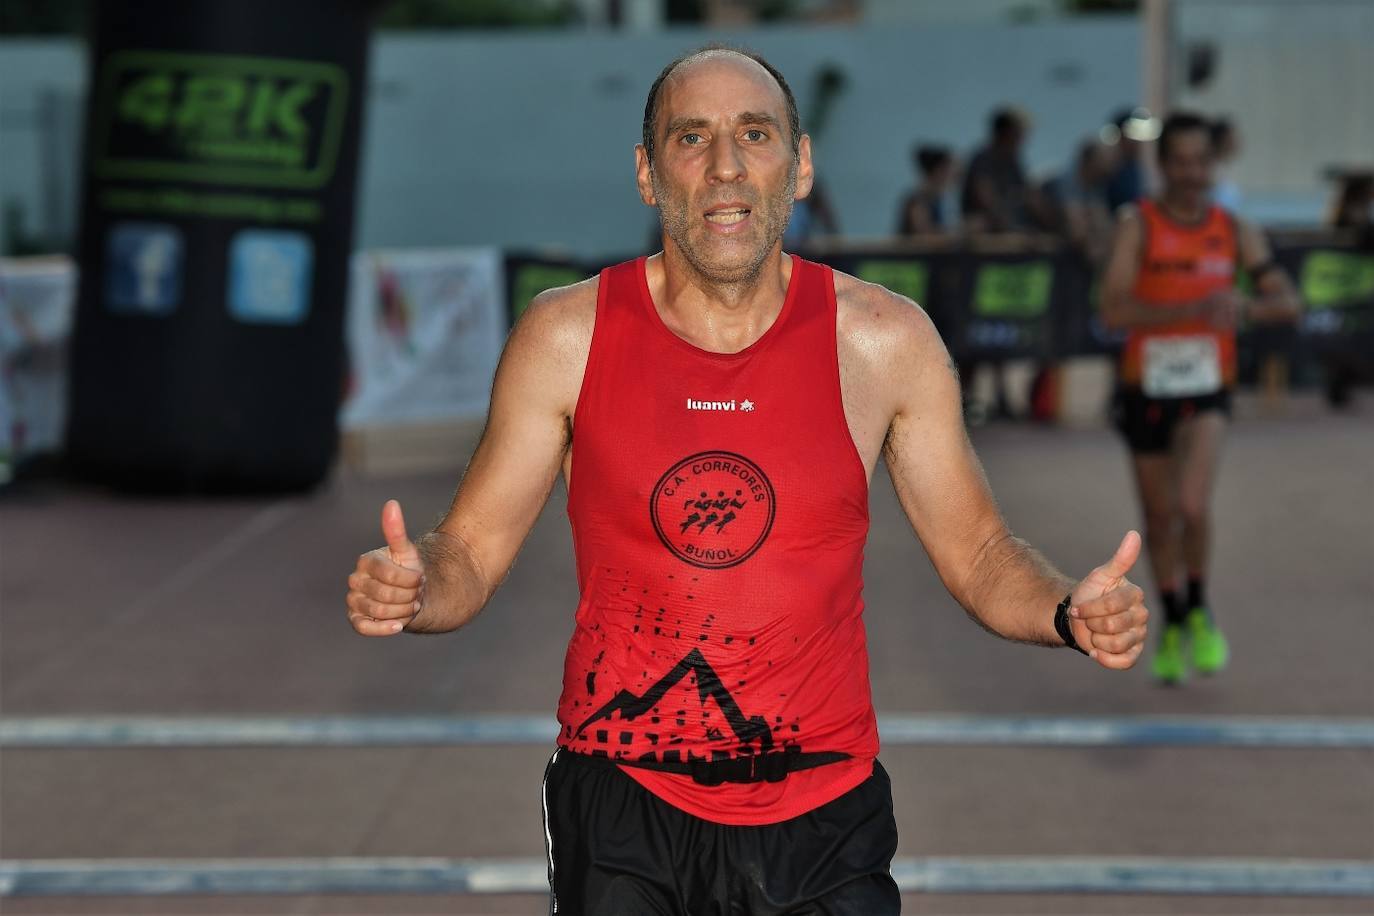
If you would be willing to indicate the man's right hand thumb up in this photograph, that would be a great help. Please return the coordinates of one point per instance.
(403, 552)
(385, 588)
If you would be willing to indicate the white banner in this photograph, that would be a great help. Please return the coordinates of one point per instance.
(425, 330)
(37, 303)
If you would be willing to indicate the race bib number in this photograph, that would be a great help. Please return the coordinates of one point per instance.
(1181, 367)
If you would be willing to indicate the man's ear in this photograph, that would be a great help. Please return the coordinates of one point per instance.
(644, 176)
(806, 173)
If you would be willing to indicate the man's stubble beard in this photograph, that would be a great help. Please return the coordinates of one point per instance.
(676, 217)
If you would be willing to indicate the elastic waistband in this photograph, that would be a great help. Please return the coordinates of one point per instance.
(771, 766)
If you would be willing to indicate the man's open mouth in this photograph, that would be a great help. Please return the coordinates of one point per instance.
(727, 216)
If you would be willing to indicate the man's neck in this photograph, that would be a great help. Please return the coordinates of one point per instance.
(720, 315)
(1186, 207)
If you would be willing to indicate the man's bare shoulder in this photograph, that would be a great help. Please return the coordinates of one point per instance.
(892, 360)
(560, 317)
(881, 328)
(546, 353)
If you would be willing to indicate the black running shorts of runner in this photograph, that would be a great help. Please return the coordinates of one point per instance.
(615, 849)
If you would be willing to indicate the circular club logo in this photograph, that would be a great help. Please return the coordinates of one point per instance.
(713, 509)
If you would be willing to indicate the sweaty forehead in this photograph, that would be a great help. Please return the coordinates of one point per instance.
(720, 84)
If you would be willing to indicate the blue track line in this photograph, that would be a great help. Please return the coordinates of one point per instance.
(896, 730)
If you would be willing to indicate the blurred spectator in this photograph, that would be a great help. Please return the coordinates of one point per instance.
(997, 197)
(1225, 149)
(1078, 200)
(1129, 130)
(1353, 209)
(1354, 205)
(811, 216)
(1079, 197)
(923, 210)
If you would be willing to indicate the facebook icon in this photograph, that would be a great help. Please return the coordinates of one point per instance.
(143, 268)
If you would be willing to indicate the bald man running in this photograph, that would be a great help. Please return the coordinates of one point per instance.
(717, 411)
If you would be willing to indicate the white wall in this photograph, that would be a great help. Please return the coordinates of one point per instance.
(41, 80)
(528, 140)
(932, 11)
(1298, 79)
(521, 139)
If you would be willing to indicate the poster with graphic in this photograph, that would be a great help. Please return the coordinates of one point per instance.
(37, 298)
(425, 330)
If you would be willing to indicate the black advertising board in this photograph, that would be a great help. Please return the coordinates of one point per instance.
(1006, 306)
(1336, 284)
(217, 215)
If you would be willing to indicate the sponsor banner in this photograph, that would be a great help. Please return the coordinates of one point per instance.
(1337, 288)
(1006, 306)
(1335, 281)
(1078, 326)
(425, 331)
(425, 327)
(220, 119)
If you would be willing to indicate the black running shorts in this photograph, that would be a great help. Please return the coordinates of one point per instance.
(1148, 423)
(616, 849)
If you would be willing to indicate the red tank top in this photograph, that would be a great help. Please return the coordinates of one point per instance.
(1182, 263)
(719, 512)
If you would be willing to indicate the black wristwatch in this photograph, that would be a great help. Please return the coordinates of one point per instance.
(1061, 624)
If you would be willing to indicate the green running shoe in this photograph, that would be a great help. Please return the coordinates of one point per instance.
(1209, 648)
(1167, 664)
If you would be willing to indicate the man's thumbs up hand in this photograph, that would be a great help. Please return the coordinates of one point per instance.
(385, 588)
(1108, 613)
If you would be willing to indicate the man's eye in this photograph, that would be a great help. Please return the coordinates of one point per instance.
(692, 139)
(754, 135)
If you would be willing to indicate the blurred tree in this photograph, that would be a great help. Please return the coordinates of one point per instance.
(476, 14)
(43, 17)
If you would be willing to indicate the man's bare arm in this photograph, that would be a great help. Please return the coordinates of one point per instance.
(508, 480)
(1275, 299)
(1001, 581)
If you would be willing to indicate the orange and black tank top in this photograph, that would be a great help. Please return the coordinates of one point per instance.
(1181, 264)
(719, 512)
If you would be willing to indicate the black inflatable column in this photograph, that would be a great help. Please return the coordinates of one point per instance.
(220, 165)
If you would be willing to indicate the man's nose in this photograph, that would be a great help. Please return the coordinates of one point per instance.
(727, 165)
